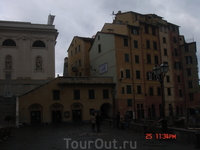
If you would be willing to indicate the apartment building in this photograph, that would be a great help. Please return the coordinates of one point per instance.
(129, 48)
(78, 56)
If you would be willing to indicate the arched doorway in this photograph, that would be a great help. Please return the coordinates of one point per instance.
(77, 110)
(56, 112)
(106, 110)
(35, 113)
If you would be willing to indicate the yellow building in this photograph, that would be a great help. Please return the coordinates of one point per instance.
(67, 99)
(128, 49)
(78, 56)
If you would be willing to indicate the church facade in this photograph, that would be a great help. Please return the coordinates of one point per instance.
(27, 60)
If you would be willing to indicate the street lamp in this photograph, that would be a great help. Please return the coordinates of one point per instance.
(113, 92)
(160, 73)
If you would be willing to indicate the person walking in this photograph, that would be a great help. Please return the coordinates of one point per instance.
(93, 121)
(126, 118)
(98, 122)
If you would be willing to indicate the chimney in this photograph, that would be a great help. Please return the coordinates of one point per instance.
(50, 19)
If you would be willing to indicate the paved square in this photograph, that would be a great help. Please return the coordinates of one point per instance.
(80, 136)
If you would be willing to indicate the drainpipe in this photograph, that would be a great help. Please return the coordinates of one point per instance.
(133, 85)
(17, 111)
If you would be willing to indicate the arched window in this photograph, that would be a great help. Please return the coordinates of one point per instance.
(38, 64)
(8, 62)
(38, 43)
(9, 42)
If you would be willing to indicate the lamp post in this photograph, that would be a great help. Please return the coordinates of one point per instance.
(160, 73)
(113, 92)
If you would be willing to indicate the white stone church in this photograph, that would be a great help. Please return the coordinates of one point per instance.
(27, 60)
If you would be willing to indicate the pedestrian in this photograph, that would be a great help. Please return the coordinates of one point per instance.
(98, 122)
(93, 121)
(118, 120)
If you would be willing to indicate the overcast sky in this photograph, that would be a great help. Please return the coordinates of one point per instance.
(86, 17)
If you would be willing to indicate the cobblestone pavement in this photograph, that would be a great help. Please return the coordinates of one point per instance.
(80, 136)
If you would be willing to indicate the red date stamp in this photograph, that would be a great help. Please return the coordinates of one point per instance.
(160, 136)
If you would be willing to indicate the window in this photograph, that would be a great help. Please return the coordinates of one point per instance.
(128, 73)
(165, 51)
(150, 91)
(128, 89)
(71, 53)
(189, 73)
(150, 76)
(98, 37)
(186, 48)
(129, 103)
(168, 91)
(56, 94)
(190, 85)
(176, 52)
(173, 29)
(160, 28)
(126, 57)
(177, 65)
(137, 59)
(188, 59)
(135, 44)
(123, 90)
(99, 48)
(139, 89)
(174, 39)
(76, 94)
(146, 29)
(148, 59)
(140, 111)
(125, 42)
(105, 94)
(38, 43)
(180, 93)
(91, 94)
(122, 74)
(158, 91)
(155, 45)
(137, 74)
(75, 50)
(148, 44)
(164, 40)
(156, 59)
(168, 78)
(79, 48)
(191, 97)
(134, 31)
(153, 31)
(9, 42)
(179, 79)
